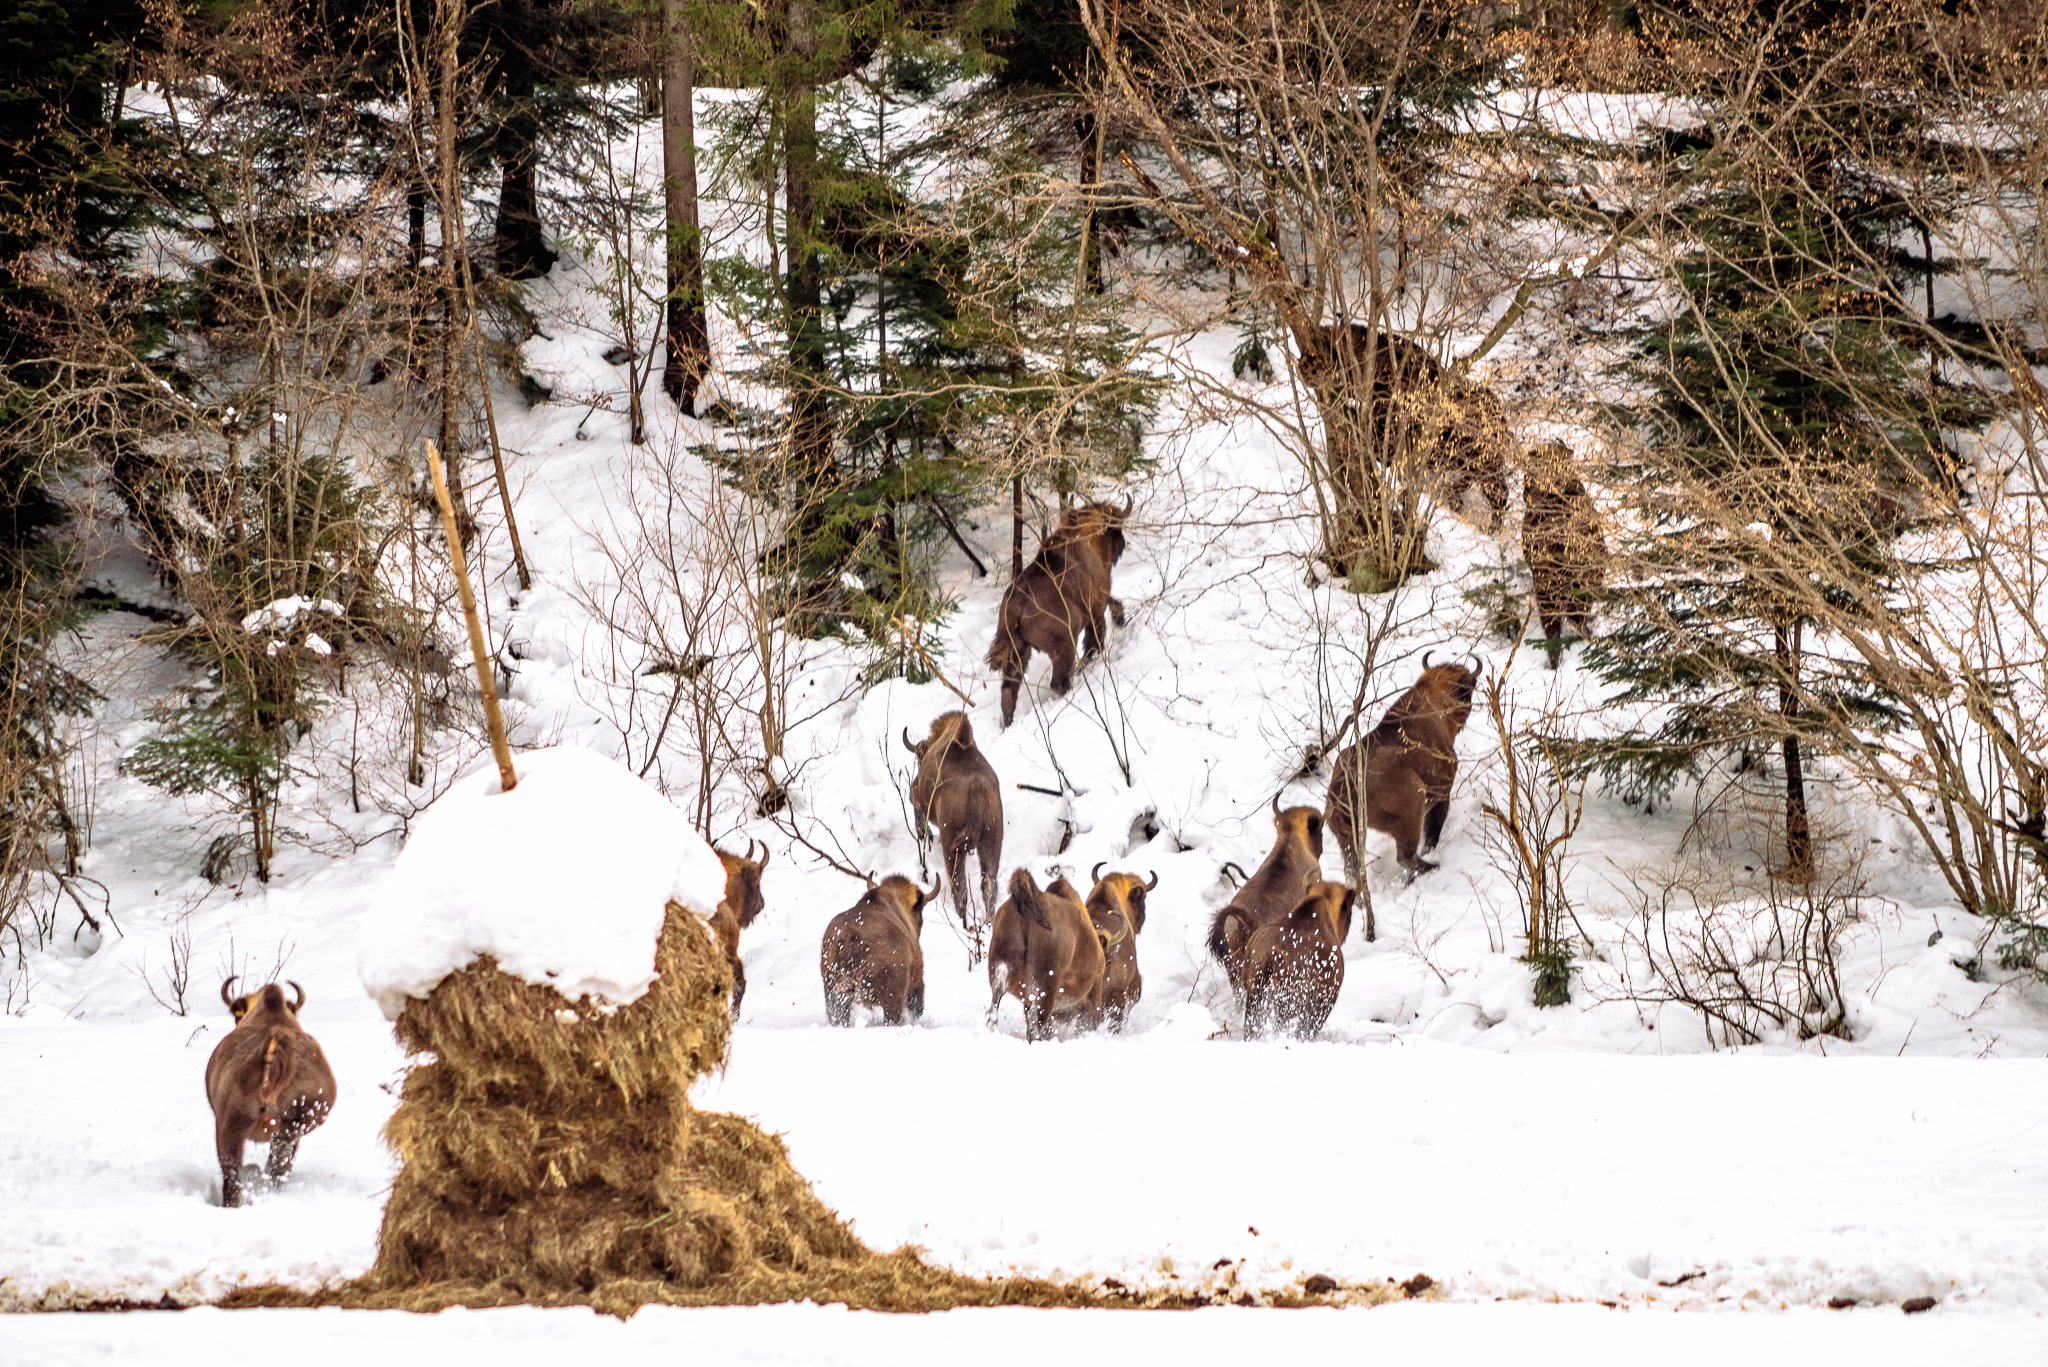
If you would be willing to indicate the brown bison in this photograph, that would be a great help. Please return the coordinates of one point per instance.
(1407, 765)
(1561, 540)
(1446, 427)
(871, 956)
(1047, 953)
(1116, 907)
(267, 1082)
(956, 793)
(1060, 599)
(741, 905)
(1293, 967)
(1272, 891)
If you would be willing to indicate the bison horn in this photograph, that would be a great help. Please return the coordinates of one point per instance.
(1478, 665)
(227, 998)
(1276, 804)
(765, 852)
(1129, 503)
(1095, 874)
(300, 994)
(930, 894)
(1425, 658)
(750, 853)
(1155, 881)
(908, 743)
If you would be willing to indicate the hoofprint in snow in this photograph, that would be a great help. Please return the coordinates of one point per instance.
(1446, 1126)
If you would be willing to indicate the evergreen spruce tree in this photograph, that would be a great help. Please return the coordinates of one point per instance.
(1791, 437)
(926, 335)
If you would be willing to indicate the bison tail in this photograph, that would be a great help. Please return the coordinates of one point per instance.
(277, 1068)
(1030, 904)
(1005, 652)
(1220, 947)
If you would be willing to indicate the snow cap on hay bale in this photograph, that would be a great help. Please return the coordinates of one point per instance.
(549, 1151)
(561, 881)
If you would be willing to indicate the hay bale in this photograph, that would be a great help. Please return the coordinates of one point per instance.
(551, 1156)
(549, 1152)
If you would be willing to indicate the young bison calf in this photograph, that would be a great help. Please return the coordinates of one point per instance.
(267, 1082)
(871, 956)
(1294, 967)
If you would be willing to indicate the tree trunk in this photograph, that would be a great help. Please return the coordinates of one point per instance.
(449, 194)
(1087, 129)
(689, 337)
(1016, 527)
(803, 282)
(1798, 834)
(521, 249)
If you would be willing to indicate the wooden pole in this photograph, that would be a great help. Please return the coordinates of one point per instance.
(494, 720)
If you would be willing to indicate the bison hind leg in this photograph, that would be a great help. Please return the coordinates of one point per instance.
(1116, 611)
(1063, 671)
(284, 1148)
(838, 1008)
(1433, 824)
(1553, 640)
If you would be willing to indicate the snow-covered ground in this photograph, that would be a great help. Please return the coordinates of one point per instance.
(804, 1334)
(1595, 1152)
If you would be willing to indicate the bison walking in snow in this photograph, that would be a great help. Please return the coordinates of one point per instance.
(1294, 967)
(1272, 891)
(1116, 907)
(1061, 600)
(267, 1082)
(871, 956)
(1046, 952)
(1406, 767)
(742, 903)
(1562, 542)
(956, 792)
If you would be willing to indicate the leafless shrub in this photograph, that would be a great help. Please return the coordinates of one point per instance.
(1748, 966)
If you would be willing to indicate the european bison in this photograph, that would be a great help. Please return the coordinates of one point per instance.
(267, 1081)
(1116, 907)
(741, 905)
(1061, 598)
(1446, 428)
(1045, 952)
(871, 956)
(1293, 967)
(956, 792)
(1407, 764)
(1270, 893)
(1561, 540)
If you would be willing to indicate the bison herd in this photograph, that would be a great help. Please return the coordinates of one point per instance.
(1070, 961)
